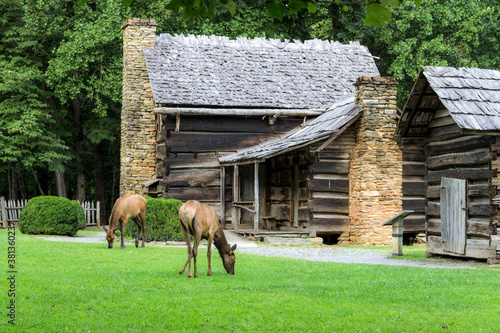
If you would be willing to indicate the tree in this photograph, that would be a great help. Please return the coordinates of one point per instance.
(378, 12)
(455, 33)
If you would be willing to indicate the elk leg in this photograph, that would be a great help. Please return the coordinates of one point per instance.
(122, 232)
(209, 254)
(143, 220)
(188, 242)
(197, 240)
(136, 220)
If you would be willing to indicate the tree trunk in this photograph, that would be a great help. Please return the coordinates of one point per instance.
(80, 187)
(13, 185)
(39, 186)
(60, 183)
(99, 180)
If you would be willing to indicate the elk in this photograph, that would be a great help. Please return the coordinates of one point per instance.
(201, 221)
(132, 206)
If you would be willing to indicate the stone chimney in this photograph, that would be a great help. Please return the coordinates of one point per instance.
(138, 125)
(376, 174)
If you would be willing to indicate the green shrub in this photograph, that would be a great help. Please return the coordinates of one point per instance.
(49, 215)
(162, 221)
(82, 221)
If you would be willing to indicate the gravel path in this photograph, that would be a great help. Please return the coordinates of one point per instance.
(325, 254)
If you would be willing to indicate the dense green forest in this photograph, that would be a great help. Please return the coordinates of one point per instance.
(61, 67)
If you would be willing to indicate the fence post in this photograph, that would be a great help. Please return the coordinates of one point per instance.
(4, 212)
(98, 214)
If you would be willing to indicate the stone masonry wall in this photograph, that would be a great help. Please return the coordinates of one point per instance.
(138, 125)
(376, 174)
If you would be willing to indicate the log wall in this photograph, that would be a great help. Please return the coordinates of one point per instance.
(328, 186)
(414, 184)
(450, 153)
(189, 147)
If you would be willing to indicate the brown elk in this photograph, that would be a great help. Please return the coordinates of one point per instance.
(132, 206)
(201, 221)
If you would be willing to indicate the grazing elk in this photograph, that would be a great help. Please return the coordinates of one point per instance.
(132, 206)
(201, 221)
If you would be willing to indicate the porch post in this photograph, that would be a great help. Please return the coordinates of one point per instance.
(256, 204)
(236, 195)
(223, 196)
(295, 195)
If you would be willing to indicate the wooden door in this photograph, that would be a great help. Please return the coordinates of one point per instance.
(454, 214)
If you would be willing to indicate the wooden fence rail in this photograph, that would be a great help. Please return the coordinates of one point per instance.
(11, 209)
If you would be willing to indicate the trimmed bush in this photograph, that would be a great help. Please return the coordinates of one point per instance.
(82, 222)
(162, 221)
(49, 215)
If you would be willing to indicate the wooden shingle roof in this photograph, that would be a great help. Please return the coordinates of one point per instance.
(212, 71)
(471, 95)
(333, 121)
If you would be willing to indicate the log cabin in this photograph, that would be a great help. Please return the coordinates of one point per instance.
(449, 131)
(278, 136)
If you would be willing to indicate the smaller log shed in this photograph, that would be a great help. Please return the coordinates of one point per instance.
(450, 136)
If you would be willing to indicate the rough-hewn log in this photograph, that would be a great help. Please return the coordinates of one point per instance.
(413, 188)
(413, 169)
(193, 178)
(460, 173)
(330, 225)
(460, 144)
(335, 167)
(230, 125)
(415, 204)
(475, 157)
(329, 205)
(444, 133)
(329, 185)
(212, 142)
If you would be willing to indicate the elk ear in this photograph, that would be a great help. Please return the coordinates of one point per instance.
(105, 228)
(233, 248)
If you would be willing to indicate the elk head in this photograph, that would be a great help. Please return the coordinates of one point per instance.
(110, 236)
(228, 260)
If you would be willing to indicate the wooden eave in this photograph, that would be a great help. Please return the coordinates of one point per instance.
(243, 112)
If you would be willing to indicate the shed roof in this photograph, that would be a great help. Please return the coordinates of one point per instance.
(334, 120)
(471, 95)
(215, 71)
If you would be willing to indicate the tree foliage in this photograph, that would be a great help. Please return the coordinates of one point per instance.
(455, 33)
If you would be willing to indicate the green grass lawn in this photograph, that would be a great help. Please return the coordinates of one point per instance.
(78, 287)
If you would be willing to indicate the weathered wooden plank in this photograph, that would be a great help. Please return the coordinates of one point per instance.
(329, 185)
(329, 205)
(475, 248)
(190, 160)
(413, 188)
(415, 204)
(413, 169)
(413, 155)
(481, 209)
(453, 214)
(336, 167)
(460, 144)
(195, 193)
(460, 173)
(433, 226)
(444, 133)
(231, 124)
(414, 223)
(433, 209)
(193, 178)
(213, 142)
(330, 225)
(478, 229)
(479, 190)
(469, 158)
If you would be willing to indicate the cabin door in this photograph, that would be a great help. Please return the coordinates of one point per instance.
(454, 215)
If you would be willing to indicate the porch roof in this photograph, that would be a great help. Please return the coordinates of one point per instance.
(332, 121)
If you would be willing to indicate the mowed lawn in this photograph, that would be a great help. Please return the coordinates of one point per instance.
(78, 287)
